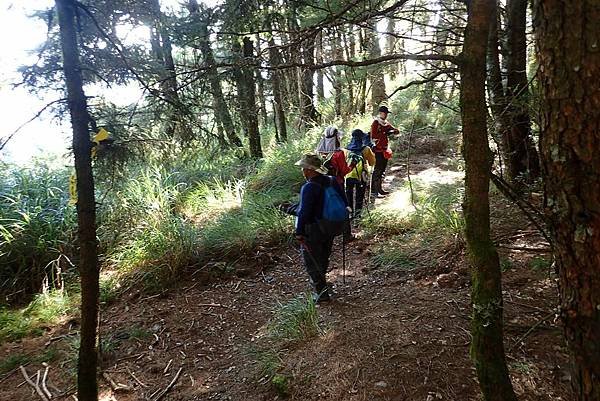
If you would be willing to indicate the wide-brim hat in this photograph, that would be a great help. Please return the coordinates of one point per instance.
(311, 162)
(384, 109)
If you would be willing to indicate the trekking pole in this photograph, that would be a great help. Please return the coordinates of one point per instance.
(353, 204)
(344, 259)
(309, 252)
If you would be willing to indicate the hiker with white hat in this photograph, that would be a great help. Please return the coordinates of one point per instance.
(334, 157)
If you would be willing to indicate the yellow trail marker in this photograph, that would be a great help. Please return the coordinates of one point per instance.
(72, 189)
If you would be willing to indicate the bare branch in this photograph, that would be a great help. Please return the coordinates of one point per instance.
(7, 138)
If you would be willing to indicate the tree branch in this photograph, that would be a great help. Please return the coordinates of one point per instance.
(7, 138)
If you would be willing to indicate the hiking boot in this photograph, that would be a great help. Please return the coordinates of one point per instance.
(321, 297)
(349, 238)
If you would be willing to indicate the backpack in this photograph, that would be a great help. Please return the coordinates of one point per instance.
(359, 169)
(327, 165)
(335, 214)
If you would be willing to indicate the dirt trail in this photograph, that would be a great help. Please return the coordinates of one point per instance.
(389, 335)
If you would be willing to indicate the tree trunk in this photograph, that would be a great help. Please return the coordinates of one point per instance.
(294, 75)
(337, 76)
(567, 43)
(247, 96)
(319, 56)
(487, 349)
(496, 90)
(361, 101)
(390, 45)
(523, 159)
(221, 112)
(161, 44)
(376, 72)
(308, 112)
(87, 387)
(278, 107)
(260, 86)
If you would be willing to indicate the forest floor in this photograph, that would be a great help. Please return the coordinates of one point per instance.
(392, 333)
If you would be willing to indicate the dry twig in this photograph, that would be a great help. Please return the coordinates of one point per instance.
(44, 387)
(36, 387)
(115, 386)
(166, 390)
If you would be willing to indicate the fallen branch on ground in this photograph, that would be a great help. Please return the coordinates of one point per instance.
(535, 326)
(115, 386)
(166, 390)
(36, 387)
(44, 387)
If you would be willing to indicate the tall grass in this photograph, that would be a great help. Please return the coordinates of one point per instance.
(37, 226)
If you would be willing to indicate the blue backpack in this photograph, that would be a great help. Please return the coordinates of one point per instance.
(335, 215)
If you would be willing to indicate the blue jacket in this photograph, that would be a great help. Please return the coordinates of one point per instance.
(310, 208)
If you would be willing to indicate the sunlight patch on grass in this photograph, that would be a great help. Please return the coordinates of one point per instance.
(45, 309)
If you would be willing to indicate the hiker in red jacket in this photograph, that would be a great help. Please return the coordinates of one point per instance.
(381, 129)
(334, 157)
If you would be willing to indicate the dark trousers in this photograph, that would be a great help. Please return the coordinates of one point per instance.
(355, 192)
(378, 172)
(315, 254)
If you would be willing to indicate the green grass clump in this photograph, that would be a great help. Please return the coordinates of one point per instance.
(45, 309)
(109, 288)
(540, 263)
(394, 256)
(280, 383)
(268, 360)
(295, 320)
(13, 361)
(139, 333)
(441, 208)
(160, 253)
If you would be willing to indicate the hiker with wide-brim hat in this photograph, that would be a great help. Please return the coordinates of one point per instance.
(362, 158)
(334, 157)
(381, 129)
(316, 244)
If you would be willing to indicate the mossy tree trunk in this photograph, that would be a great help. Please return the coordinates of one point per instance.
(87, 387)
(569, 57)
(487, 348)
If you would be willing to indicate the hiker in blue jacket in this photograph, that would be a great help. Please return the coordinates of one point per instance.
(316, 245)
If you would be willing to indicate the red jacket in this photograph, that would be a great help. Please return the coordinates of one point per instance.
(379, 135)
